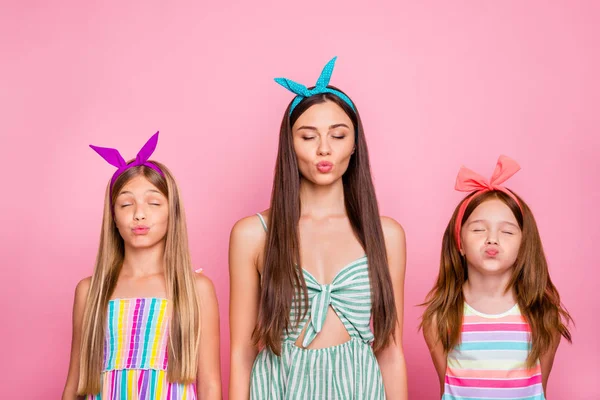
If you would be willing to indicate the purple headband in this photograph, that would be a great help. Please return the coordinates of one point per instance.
(113, 157)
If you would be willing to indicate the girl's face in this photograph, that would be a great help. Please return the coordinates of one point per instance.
(141, 214)
(491, 238)
(324, 142)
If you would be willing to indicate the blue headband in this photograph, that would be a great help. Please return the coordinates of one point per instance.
(321, 87)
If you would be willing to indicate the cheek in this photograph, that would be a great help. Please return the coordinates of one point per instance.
(345, 155)
(122, 227)
(122, 217)
(347, 147)
(471, 251)
(514, 248)
(303, 159)
(162, 217)
(471, 243)
(303, 152)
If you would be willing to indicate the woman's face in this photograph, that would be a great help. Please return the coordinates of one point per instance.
(324, 142)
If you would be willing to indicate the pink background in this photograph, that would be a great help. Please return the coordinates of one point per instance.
(438, 85)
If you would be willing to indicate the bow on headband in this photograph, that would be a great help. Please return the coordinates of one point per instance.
(469, 181)
(303, 92)
(113, 157)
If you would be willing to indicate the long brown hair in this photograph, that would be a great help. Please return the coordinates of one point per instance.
(282, 280)
(184, 327)
(536, 295)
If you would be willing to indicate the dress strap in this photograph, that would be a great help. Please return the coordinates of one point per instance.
(262, 221)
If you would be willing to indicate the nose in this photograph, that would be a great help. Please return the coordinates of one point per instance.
(324, 149)
(492, 238)
(139, 214)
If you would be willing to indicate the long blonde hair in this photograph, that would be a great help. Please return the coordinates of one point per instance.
(184, 327)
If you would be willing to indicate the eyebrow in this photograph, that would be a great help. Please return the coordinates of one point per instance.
(312, 128)
(147, 191)
(504, 222)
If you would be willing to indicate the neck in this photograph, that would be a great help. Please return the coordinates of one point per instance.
(146, 261)
(322, 201)
(480, 285)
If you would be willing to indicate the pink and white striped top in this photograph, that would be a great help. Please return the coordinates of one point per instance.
(490, 361)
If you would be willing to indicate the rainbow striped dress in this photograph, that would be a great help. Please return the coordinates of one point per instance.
(489, 363)
(135, 353)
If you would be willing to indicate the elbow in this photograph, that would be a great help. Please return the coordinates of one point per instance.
(210, 391)
(392, 354)
(242, 357)
(70, 393)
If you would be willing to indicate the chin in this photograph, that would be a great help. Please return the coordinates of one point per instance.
(494, 267)
(143, 243)
(324, 180)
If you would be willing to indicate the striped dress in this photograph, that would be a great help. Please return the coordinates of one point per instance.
(135, 353)
(489, 363)
(343, 372)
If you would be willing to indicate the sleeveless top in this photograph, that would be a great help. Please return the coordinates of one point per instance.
(345, 371)
(135, 353)
(490, 361)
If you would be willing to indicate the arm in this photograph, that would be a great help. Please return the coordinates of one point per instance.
(81, 292)
(391, 359)
(436, 350)
(247, 238)
(208, 382)
(546, 361)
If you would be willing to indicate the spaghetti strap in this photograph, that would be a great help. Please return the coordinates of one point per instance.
(262, 221)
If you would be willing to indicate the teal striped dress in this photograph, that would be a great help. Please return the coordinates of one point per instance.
(342, 372)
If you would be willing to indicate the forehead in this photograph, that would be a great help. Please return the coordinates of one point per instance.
(139, 184)
(323, 114)
(493, 210)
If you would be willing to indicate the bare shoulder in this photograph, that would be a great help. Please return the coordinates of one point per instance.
(395, 246)
(393, 232)
(247, 240)
(204, 286)
(81, 294)
(250, 228)
(82, 289)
